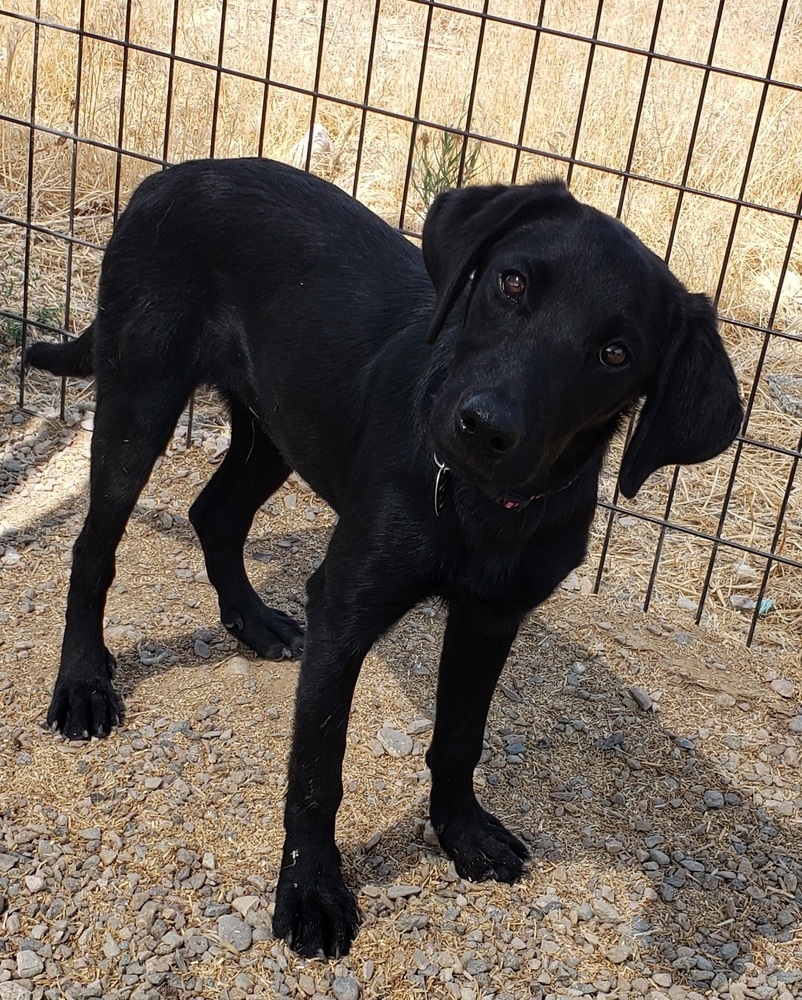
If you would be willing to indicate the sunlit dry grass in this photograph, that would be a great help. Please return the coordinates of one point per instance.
(747, 275)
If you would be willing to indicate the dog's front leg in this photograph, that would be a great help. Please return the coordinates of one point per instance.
(475, 648)
(315, 911)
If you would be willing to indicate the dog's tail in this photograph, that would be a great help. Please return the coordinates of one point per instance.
(73, 357)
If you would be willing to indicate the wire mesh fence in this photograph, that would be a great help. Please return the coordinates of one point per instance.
(686, 124)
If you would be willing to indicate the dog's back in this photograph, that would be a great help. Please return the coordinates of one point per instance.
(232, 272)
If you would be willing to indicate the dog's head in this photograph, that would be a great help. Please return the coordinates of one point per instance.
(560, 319)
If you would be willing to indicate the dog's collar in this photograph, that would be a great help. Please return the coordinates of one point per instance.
(509, 501)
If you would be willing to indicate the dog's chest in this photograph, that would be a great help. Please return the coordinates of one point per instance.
(517, 578)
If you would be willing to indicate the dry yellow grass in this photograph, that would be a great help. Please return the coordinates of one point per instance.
(748, 277)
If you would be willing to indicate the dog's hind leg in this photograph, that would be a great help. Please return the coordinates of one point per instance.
(134, 419)
(222, 515)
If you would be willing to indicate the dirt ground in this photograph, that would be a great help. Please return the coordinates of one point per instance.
(664, 829)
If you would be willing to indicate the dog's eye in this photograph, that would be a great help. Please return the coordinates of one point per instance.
(513, 285)
(614, 355)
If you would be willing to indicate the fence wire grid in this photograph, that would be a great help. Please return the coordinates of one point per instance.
(685, 122)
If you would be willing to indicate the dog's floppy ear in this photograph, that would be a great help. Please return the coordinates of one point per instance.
(693, 411)
(462, 225)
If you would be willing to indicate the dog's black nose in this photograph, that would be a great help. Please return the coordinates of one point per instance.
(486, 422)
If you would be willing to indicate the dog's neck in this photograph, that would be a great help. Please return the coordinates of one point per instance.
(509, 501)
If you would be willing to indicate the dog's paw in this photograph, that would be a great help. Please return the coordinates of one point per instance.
(317, 917)
(271, 634)
(482, 848)
(81, 708)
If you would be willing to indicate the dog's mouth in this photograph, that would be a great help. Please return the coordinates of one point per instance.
(511, 495)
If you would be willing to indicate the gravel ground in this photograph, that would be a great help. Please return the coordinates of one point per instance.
(652, 767)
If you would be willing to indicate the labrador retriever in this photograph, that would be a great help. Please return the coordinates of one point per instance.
(454, 407)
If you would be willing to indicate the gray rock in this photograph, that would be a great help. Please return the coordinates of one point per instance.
(397, 744)
(234, 932)
(713, 799)
(786, 390)
(13, 991)
(402, 891)
(345, 988)
(410, 922)
(244, 904)
(236, 666)
(784, 687)
(29, 964)
(171, 941)
(642, 698)
(605, 911)
(418, 726)
(795, 725)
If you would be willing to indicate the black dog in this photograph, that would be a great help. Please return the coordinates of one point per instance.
(456, 421)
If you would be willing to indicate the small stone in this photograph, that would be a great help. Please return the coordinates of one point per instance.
(402, 891)
(476, 966)
(345, 988)
(713, 799)
(418, 726)
(605, 911)
(618, 954)
(305, 982)
(234, 932)
(202, 649)
(13, 991)
(783, 686)
(244, 904)
(236, 666)
(35, 883)
(208, 861)
(687, 604)
(411, 922)
(795, 725)
(662, 979)
(641, 697)
(110, 947)
(724, 700)
(171, 941)
(397, 744)
(29, 965)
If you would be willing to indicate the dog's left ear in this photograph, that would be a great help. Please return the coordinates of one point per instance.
(463, 223)
(693, 411)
